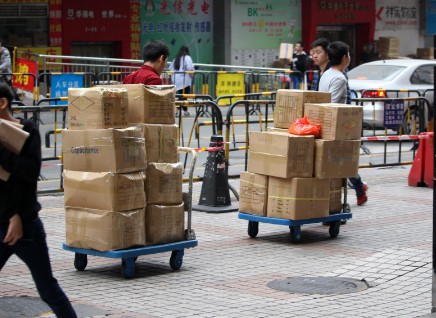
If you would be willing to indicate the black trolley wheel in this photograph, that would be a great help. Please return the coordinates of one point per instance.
(253, 228)
(334, 229)
(80, 261)
(176, 259)
(128, 267)
(295, 234)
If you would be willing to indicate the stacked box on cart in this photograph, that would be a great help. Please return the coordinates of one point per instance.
(281, 154)
(97, 108)
(104, 230)
(150, 104)
(253, 193)
(164, 223)
(104, 190)
(335, 204)
(298, 198)
(338, 121)
(104, 150)
(290, 105)
(161, 142)
(164, 183)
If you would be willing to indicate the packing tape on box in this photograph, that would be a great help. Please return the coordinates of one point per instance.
(252, 183)
(298, 199)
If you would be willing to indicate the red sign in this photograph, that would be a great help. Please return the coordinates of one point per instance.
(25, 82)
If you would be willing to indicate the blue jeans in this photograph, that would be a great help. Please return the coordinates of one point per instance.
(357, 184)
(32, 249)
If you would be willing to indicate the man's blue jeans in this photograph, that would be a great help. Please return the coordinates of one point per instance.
(32, 249)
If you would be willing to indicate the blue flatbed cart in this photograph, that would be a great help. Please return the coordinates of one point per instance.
(334, 221)
(129, 256)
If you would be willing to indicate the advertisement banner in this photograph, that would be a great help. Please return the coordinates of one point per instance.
(258, 27)
(60, 83)
(44, 51)
(397, 15)
(25, 82)
(431, 17)
(179, 22)
(393, 114)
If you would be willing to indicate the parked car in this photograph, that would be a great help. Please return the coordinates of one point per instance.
(393, 78)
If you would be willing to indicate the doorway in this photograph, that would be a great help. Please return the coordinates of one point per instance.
(345, 33)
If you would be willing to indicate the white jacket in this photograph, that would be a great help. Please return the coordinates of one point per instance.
(182, 80)
(5, 63)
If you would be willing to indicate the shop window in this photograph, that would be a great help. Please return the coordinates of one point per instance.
(24, 24)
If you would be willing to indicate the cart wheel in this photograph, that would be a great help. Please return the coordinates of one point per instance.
(176, 259)
(253, 228)
(295, 234)
(128, 267)
(334, 229)
(80, 261)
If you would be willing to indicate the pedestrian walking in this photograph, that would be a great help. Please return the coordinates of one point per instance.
(21, 230)
(183, 81)
(155, 54)
(333, 80)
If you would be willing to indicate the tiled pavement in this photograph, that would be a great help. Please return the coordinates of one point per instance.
(388, 244)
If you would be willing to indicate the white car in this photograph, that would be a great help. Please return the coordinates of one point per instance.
(394, 79)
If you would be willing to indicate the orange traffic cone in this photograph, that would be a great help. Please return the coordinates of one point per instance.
(421, 173)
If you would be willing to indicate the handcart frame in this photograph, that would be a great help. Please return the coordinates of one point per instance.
(129, 256)
(333, 220)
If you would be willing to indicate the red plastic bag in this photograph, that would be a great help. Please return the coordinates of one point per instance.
(302, 126)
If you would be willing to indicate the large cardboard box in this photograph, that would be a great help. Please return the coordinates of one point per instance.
(164, 224)
(281, 154)
(12, 137)
(104, 150)
(150, 104)
(104, 190)
(335, 204)
(286, 51)
(253, 193)
(104, 230)
(336, 158)
(161, 142)
(298, 198)
(290, 105)
(164, 183)
(338, 121)
(97, 108)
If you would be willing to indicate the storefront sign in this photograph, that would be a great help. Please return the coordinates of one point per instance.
(60, 83)
(55, 22)
(43, 51)
(180, 22)
(397, 15)
(258, 28)
(25, 82)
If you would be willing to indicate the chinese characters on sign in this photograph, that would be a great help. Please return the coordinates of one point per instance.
(60, 83)
(25, 82)
(401, 15)
(135, 30)
(55, 31)
(229, 84)
(393, 114)
(351, 8)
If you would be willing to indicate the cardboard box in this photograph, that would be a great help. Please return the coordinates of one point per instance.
(298, 198)
(281, 154)
(161, 142)
(97, 108)
(104, 190)
(164, 224)
(12, 137)
(335, 203)
(104, 150)
(286, 51)
(253, 193)
(336, 158)
(338, 121)
(150, 104)
(290, 105)
(104, 230)
(164, 183)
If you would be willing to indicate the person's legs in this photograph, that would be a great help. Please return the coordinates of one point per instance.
(360, 188)
(5, 251)
(33, 250)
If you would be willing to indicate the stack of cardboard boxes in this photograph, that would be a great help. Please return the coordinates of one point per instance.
(389, 47)
(111, 193)
(294, 177)
(426, 53)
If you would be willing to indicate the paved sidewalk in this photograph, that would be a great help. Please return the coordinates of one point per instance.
(387, 244)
